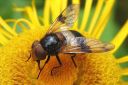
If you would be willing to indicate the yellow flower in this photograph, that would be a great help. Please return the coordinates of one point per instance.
(93, 69)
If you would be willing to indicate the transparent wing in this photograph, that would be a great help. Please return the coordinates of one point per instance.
(86, 45)
(66, 19)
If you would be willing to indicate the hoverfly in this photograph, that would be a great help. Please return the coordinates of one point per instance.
(59, 39)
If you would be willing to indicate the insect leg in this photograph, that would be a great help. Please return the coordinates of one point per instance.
(72, 57)
(60, 64)
(43, 66)
(28, 58)
(38, 61)
(58, 59)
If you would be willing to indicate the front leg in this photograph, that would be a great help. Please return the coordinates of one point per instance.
(38, 62)
(28, 58)
(43, 65)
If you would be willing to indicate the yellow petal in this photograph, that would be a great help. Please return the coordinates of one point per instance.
(125, 71)
(122, 59)
(123, 83)
(7, 27)
(5, 33)
(98, 35)
(20, 21)
(75, 1)
(120, 37)
(87, 9)
(46, 13)
(102, 19)
(32, 15)
(96, 15)
(75, 26)
(55, 6)
(64, 4)
(35, 13)
(10, 20)
(3, 40)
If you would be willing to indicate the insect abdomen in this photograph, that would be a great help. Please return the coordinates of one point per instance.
(76, 34)
(66, 36)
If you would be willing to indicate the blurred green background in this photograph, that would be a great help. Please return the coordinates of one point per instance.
(118, 17)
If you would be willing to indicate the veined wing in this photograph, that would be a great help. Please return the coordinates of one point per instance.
(86, 45)
(66, 19)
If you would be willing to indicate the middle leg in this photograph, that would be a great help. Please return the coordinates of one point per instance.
(60, 64)
(72, 57)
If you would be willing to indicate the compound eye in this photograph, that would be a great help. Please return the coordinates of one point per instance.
(38, 51)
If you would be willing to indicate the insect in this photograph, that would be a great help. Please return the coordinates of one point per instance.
(59, 39)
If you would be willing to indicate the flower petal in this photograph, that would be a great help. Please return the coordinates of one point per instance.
(7, 27)
(3, 40)
(96, 15)
(102, 19)
(46, 13)
(64, 4)
(120, 37)
(5, 33)
(32, 16)
(122, 59)
(19, 21)
(87, 9)
(75, 26)
(100, 32)
(55, 6)
(125, 71)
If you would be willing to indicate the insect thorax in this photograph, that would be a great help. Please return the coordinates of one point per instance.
(51, 43)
